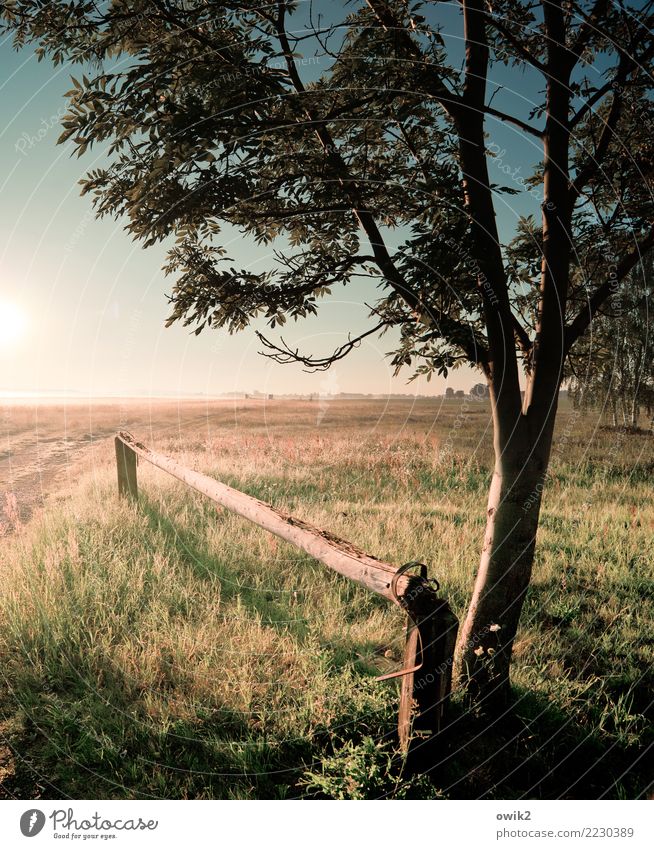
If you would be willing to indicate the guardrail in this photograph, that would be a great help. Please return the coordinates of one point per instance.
(431, 625)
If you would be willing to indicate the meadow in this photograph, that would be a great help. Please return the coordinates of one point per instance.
(172, 650)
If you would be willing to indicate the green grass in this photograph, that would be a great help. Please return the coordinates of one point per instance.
(172, 650)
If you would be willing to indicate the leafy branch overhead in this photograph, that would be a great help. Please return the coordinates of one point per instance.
(356, 144)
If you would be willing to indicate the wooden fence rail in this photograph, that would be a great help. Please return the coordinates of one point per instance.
(431, 626)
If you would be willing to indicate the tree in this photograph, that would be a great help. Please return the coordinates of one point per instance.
(614, 366)
(479, 391)
(211, 118)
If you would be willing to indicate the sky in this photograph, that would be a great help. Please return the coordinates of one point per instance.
(93, 301)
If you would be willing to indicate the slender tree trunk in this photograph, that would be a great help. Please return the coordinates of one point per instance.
(522, 430)
(487, 636)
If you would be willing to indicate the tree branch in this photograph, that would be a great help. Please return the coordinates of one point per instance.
(282, 214)
(586, 30)
(588, 105)
(190, 31)
(491, 280)
(363, 214)
(593, 164)
(522, 337)
(511, 119)
(582, 320)
(284, 354)
(520, 49)
(414, 152)
(626, 65)
(547, 357)
(438, 90)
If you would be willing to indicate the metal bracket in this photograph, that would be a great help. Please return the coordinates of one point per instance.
(425, 581)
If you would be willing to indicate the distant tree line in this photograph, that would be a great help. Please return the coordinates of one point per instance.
(614, 367)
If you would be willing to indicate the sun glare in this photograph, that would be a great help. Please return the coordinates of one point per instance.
(12, 324)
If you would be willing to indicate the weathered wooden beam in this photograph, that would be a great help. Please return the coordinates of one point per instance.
(336, 553)
(126, 468)
(429, 652)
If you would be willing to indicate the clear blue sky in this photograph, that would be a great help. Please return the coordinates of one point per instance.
(94, 300)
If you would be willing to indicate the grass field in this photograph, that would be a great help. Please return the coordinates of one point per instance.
(173, 650)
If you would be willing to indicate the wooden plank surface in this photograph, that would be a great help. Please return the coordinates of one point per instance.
(336, 553)
(425, 693)
(126, 468)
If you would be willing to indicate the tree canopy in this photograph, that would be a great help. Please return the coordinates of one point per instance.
(324, 135)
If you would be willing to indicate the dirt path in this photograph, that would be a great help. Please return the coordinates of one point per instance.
(45, 446)
(32, 467)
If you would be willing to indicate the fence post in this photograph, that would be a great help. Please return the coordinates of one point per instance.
(126, 467)
(428, 653)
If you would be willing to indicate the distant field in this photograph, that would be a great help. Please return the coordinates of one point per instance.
(173, 650)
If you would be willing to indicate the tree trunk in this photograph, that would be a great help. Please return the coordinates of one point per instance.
(522, 431)
(486, 639)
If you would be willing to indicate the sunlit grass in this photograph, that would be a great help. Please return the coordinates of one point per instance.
(172, 649)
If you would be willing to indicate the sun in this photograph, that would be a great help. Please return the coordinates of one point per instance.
(13, 324)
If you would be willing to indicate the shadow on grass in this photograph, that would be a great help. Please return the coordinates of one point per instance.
(205, 563)
(536, 751)
(89, 735)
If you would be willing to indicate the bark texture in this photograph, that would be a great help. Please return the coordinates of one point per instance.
(489, 631)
